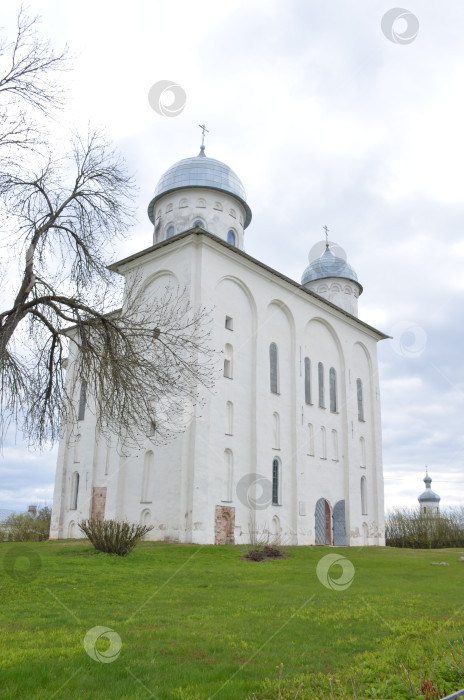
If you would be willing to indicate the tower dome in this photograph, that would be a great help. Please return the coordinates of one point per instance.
(428, 500)
(333, 278)
(200, 191)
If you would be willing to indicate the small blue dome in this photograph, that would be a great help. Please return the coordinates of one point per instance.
(329, 265)
(201, 171)
(428, 494)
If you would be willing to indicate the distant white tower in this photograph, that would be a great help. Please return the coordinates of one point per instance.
(429, 500)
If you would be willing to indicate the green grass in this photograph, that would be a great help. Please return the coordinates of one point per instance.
(201, 622)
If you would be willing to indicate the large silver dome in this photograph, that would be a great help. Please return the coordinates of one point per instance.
(201, 171)
(329, 265)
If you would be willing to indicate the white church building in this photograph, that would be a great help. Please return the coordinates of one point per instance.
(288, 445)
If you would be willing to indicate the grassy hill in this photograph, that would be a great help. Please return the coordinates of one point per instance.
(193, 622)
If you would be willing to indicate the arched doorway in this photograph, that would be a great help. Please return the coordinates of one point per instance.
(323, 525)
(224, 523)
(339, 531)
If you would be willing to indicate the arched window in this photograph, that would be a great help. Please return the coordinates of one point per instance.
(359, 393)
(170, 231)
(362, 444)
(276, 419)
(334, 446)
(323, 443)
(152, 429)
(231, 238)
(77, 442)
(229, 418)
(307, 379)
(320, 374)
(147, 476)
(233, 213)
(275, 482)
(276, 529)
(228, 359)
(229, 469)
(217, 206)
(199, 223)
(169, 208)
(310, 440)
(274, 368)
(201, 203)
(183, 203)
(82, 401)
(74, 490)
(333, 390)
(363, 496)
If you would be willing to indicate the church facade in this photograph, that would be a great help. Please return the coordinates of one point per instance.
(287, 447)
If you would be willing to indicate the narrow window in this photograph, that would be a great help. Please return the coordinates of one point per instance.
(274, 370)
(334, 446)
(275, 482)
(307, 379)
(276, 419)
(311, 439)
(77, 448)
(228, 369)
(231, 238)
(229, 323)
(75, 491)
(148, 466)
(229, 418)
(363, 496)
(333, 390)
(170, 231)
(82, 401)
(152, 429)
(362, 444)
(229, 466)
(323, 443)
(320, 373)
(359, 392)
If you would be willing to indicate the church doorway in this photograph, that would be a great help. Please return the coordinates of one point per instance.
(339, 531)
(323, 525)
(224, 523)
(98, 503)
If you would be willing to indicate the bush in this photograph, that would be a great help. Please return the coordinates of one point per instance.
(26, 527)
(260, 551)
(113, 536)
(407, 527)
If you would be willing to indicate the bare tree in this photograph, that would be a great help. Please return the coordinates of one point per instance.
(136, 365)
(28, 66)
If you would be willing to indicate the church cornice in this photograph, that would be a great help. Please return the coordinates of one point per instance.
(152, 251)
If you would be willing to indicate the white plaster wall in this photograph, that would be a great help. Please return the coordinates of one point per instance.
(188, 481)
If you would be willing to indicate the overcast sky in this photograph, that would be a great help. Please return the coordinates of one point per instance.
(326, 121)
